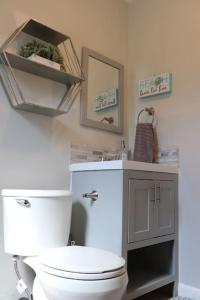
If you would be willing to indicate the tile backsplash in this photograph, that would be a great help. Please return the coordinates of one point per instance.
(168, 155)
(86, 153)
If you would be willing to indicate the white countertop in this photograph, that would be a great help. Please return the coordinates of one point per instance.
(123, 165)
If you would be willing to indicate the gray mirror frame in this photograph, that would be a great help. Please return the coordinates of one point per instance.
(86, 53)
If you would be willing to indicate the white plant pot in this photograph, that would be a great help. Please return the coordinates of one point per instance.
(44, 61)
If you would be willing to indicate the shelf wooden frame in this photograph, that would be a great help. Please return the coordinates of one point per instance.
(72, 79)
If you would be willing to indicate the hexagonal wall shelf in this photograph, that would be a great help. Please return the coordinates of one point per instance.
(71, 75)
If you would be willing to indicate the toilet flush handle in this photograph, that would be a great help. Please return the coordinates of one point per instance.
(23, 202)
(93, 195)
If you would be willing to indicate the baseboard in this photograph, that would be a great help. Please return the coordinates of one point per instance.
(188, 291)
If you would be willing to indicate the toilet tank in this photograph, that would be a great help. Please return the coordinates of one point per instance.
(35, 220)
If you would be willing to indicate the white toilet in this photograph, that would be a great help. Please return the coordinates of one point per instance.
(36, 227)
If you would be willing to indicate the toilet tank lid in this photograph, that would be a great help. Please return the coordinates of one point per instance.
(34, 193)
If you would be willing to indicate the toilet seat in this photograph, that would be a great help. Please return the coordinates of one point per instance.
(82, 263)
(82, 276)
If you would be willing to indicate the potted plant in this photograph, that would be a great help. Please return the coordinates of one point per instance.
(43, 53)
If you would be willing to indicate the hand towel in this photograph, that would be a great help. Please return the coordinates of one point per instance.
(145, 143)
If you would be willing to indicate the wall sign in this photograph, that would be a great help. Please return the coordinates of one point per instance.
(106, 99)
(155, 85)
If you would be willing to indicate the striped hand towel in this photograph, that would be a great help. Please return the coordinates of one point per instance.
(145, 143)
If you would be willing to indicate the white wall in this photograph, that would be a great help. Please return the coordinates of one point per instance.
(34, 149)
(164, 37)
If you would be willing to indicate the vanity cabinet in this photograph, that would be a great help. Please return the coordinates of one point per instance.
(151, 210)
(135, 216)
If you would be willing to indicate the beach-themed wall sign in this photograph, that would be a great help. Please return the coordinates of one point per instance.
(155, 85)
(106, 99)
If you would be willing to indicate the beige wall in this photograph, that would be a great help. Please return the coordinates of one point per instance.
(34, 149)
(164, 36)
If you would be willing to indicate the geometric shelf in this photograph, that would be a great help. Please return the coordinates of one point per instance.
(23, 64)
(38, 109)
(71, 78)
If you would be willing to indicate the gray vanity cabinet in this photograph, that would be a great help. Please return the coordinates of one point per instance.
(151, 210)
(98, 223)
(135, 216)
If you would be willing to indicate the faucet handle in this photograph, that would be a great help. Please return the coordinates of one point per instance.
(93, 195)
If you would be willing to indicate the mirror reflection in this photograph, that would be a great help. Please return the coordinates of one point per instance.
(103, 82)
(101, 97)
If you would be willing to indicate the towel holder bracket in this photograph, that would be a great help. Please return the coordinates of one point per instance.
(149, 110)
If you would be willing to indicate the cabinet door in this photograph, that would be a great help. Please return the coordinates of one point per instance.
(165, 208)
(141, 210)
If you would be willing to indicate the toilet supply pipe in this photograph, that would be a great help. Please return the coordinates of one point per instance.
(15, 259)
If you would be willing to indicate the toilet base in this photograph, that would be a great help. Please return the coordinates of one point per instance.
(38, 293)
(47, 286)
(62, 288)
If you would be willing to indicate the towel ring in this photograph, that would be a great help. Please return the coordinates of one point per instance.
(150, 111)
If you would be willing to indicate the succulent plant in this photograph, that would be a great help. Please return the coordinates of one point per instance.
(45, 50)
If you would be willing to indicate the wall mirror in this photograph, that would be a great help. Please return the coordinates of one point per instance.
(102, 92)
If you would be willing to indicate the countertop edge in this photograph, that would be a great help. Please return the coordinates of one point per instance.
(123, 165)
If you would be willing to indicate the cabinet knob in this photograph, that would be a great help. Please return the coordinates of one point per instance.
(93, 195)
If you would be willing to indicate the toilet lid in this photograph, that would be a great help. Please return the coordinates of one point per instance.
(85, 261)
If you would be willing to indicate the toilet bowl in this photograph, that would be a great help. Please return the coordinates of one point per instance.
(36, 228)
(76, 272)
